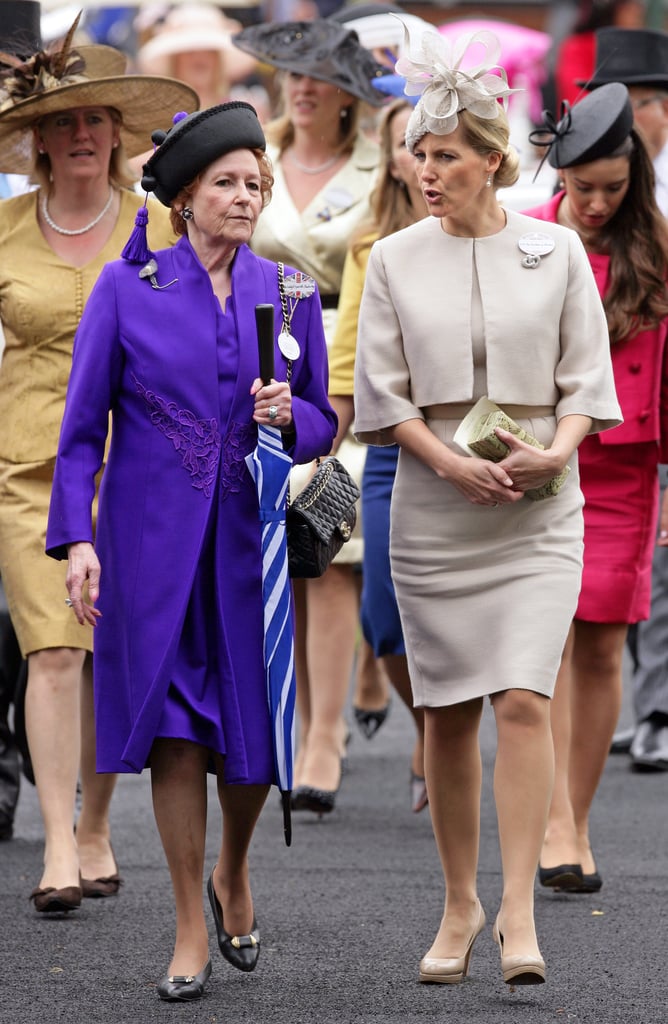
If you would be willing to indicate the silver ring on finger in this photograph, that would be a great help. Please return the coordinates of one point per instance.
(273, 412)
(495, 504)
(68, 602)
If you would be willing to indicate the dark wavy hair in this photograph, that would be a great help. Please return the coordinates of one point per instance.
(637, 240)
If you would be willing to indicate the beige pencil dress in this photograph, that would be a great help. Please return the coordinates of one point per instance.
(486, 595)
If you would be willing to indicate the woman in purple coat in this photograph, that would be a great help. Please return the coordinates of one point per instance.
(174, 581)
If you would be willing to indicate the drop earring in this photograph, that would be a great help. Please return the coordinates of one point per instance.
(187, 213)
(488, 183)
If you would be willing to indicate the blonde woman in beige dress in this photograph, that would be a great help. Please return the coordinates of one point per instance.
(67, 131)
(456, 307)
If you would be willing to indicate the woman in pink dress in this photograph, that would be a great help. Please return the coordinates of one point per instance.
(608, 198)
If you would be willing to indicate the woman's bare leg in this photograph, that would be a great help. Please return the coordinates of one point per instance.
(396, 667)
(303, 696)
(595, 702)
(454, 773)
(52, 708)
(241, 807)
(559, 845)
(332, 628)
(93, 833)
(523, 779)
(585, 713)
(178, 783)
(371, 683)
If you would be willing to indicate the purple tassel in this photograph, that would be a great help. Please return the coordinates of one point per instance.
(136, 248)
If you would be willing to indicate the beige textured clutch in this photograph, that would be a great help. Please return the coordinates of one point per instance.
(476, 434)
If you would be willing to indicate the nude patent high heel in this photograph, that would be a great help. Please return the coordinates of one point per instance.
(519, 969)
(453, 969)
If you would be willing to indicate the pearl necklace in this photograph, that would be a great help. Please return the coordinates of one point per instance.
(314, 170)
(75, 231)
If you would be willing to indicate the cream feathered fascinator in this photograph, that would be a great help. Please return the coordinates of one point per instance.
(434, 72)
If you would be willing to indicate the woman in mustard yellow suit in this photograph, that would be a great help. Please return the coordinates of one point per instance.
(71, 132)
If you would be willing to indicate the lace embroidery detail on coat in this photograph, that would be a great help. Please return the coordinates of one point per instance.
(196, 441)
(238, 442)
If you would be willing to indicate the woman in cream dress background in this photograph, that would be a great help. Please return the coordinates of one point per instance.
(324, 170)
(454, 308)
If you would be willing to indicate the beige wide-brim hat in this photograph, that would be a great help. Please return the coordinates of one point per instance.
(144, 103)
(193, 27)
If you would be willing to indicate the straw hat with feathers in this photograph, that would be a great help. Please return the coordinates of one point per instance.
(61, 77)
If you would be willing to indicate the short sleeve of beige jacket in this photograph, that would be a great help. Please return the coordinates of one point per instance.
(546, 337)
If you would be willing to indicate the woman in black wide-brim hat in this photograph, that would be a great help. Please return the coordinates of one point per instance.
(68, 118)
(324, 169)
(607, 196)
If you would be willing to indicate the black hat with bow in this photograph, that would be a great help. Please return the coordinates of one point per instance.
(592, 129)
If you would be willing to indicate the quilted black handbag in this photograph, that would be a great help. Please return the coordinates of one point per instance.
(321, 519)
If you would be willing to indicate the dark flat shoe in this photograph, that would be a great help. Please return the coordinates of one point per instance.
(96, 888)
(242, 951)
(56, 901)
(308, 798)
(370, 721)
(179, 988)
(560, 877)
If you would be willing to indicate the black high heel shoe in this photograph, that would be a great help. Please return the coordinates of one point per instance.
(179, 988)
(370, 721)
(563, 876)
(242, 951)
(308, 798)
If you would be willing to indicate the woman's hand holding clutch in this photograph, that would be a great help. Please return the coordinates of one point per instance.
(483, 482)
(530, 467)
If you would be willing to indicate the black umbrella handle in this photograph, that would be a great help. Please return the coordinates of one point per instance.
(264, 321)
(286, 801)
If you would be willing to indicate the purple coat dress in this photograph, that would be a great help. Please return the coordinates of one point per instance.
(179, 648)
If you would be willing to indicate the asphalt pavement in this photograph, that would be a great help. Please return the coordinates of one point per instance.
(346, 913)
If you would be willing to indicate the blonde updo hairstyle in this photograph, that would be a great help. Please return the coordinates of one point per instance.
(492, 136)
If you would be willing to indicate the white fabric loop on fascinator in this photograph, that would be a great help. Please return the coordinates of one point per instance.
(434, 73)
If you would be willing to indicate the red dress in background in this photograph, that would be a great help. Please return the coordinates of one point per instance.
(618, 472)
(575, 63)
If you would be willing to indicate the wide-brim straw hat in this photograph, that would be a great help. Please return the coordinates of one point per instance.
(316, 49)
(193, 27)
(97, 79)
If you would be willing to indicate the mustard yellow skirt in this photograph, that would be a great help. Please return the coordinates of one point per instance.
(34, 584)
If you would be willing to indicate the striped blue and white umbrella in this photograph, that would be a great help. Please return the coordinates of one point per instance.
(270, 468)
